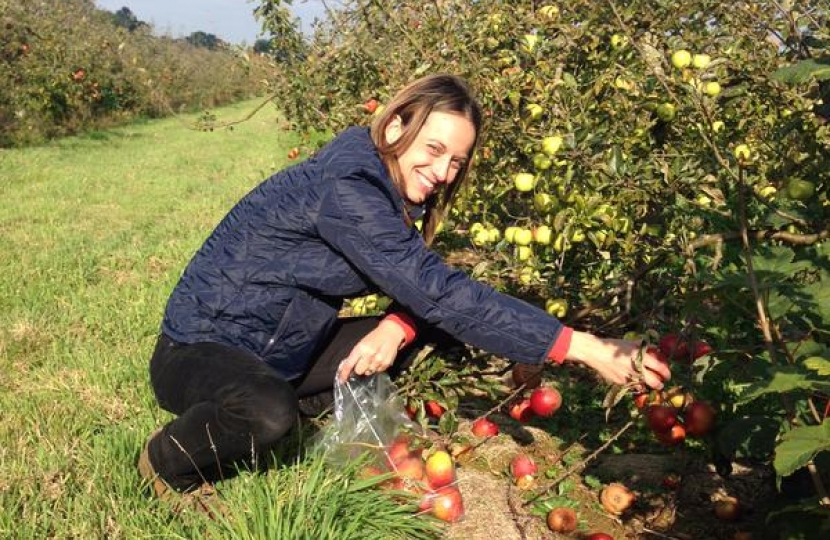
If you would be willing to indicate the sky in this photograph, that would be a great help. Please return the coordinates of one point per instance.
(230, 20)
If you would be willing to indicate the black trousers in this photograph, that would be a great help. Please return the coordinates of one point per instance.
(233, 408)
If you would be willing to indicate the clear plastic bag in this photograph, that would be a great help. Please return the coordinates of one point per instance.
(368, 416)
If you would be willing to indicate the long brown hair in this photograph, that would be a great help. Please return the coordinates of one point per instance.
(413, 103)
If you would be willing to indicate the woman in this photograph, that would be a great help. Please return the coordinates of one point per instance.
(252, 325)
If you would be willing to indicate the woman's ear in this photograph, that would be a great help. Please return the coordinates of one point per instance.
(394, 129)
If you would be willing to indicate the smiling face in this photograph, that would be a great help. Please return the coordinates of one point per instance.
(439, 151)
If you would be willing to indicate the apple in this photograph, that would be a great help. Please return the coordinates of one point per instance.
(700, 418)
(399, 449)
(641, 400)
(520, 410)
(447, 504)
(674, 436)
(742, 153)
(562, 519)
(676, 397)
(542, 234)
(701, 61)
(543, 202)
(671, 481)
(523, 253)
(558, 307)
(800, 190)
(700, 348)
(717, 126)
(524, 181)
(727, 509)
(522, 465)
(529, 375)
(78, 75)
(551, 144)
(542, 162)
(618, 41)
(530, 41)
(666, 111)
(623, 84)
(484, 427)
(294, 153)
(545, 401)
(616, 498)
(599, 536)
(371, 105)
(549, 12)
(711, 88)
(510, 233)
(661, 418)
(672, 346)
(523, 237)
(534, 110)
(440, 469)
(434, 409)
(681, 58)
(410, 468)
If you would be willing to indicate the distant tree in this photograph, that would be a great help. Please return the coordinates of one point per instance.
(125, 18)
(263, 46)
(203, 39)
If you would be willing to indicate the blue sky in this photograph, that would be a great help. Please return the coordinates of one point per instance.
(231, 20)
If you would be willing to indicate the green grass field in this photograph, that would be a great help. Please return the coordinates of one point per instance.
(94, 232)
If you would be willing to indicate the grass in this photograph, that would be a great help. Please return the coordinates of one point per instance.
(94, 232)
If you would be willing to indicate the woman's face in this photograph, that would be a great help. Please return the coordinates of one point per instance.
(436, 155)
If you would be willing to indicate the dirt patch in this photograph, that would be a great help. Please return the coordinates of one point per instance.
(495, 508)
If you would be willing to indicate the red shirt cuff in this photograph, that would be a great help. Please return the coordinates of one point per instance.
(560, 348)
(407, 325)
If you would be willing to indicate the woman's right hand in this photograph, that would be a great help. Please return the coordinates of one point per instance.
(615, 360)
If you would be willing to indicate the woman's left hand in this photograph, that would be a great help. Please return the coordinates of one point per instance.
(374, 353)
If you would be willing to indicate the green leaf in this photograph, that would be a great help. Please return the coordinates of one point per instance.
(819, 365)
(804, 71)
(818, 301)
(799, 446)
(783, 379)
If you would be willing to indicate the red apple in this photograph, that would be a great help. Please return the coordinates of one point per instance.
(661, 417)
(447, 504)
(371, 105)
(399, 449)
(674, 436)
(410, 468)
(440, 469)
(434, 409)
(520, 410)
(616, 498)
(562, 519)
(640, 400)
(599, 536)
(484, 427)
(700, 418)
(727, 509)
(671, 481)
(545, 401)
(522, 465)
(701, 348)
(672, 346)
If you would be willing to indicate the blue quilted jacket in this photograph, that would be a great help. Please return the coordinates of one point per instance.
(275, 271)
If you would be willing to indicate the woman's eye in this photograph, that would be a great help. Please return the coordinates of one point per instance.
(434, 150)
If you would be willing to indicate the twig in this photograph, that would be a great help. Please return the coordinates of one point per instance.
(824, 499)
(578, 466)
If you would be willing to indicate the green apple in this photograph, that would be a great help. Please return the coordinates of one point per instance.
(557, 307)
(543, 203)
(618, 41)
(528, 275)
(701, 61)
(666, 111)
(524, 181)
(523, 237)
(551, 144)
(534, 110)
(681, 58)
(494, 235)
(800, 190)
(529, 41)
(743, 153)
(542, 235)
(717, 126)
(711, 88)
(623, 84)
(510, 233)
(542, 162)
(481, 238)
(523, 253)
(550, 12)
